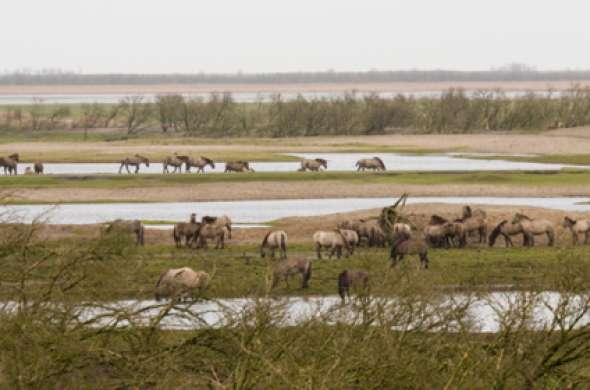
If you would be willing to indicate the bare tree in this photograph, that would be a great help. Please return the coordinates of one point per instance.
(91, 116)
(136, 112)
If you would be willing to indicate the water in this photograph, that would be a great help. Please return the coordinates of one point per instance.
(336, 162)
(234, 226)
(257, 211)
(240, 97)
(483, 312)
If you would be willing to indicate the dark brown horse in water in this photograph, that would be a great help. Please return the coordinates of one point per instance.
(238, 166)
(357, 280)
(10, 164)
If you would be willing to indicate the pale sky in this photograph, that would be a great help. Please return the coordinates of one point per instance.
(226, 36)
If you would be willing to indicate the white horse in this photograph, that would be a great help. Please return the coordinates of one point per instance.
(274, 240)
(181, 283)
(333, 239)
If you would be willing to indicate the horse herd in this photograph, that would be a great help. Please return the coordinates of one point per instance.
(405, 240)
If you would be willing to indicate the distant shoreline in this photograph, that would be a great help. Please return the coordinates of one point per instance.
(394, 87)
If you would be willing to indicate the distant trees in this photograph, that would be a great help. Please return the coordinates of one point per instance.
(91, 115)
(136, 113)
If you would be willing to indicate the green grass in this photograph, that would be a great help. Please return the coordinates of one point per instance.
(570, 159)
(511, 178)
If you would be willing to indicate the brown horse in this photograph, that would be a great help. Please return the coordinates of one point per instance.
(535, 227)
(375, 164)
(128, 227)
(506, 230)
(174, 162)
(180, 283)
(404, 246)
(577, 227)
(287, 268)
(187, 230)
(313, 165)
(238, 166)
(38, 167)
(10, 164)
(134, 161)
(200, 163)
(358, 280)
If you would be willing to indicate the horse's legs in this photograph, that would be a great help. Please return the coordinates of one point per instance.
(318, 249)
(575, 237)
(137, 169)
(424, 260)
(127, 168)
(272, 253)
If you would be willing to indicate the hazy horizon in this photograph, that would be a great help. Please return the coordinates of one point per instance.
(263, 36)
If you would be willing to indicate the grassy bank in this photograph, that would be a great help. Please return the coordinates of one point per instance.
(515, 178)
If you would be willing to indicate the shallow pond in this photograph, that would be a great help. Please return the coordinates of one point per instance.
(258, 211)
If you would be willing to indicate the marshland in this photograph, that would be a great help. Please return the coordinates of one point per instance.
(78, 287)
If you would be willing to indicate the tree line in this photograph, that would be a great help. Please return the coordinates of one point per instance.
(454, 111)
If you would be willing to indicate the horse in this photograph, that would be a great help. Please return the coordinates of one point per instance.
(404, 246)
(474, 223)
(314, 165)
(577, 227)
(535, 227)
(10, 164)
(174, 162)
(38, 168)
(128, 226)
(284, 269)
(354, 279)
(351, 237)
(274, 240)
(375, 164)
(180, 283)
(134, 161)
(443, 236)
(207, 231)
(333, 239)
(238, 166)
(200, 163)
(224, 221)
(188, 230)
(368, 229)
(507, 229)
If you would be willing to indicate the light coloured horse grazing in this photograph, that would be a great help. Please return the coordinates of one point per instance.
(314, 165)
(507, 229)
(134, 161)
(238, 166)
(10, 164)
(285, 269)
(200, 163)
(357, 280)
(535, 227)
(180, 283)
(332, 239)
(274, 240)
(351, 237)
(129, 227)
(38, 168)
(172, 161)
(375, 164)
(577, 227)
(223, 220)
(474, 224)
(404, 246)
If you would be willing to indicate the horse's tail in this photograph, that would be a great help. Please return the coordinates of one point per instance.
(381, 163)
(496, 232)
(284, 242)
(343, 284)
(307, 275)
(551, 235)
(264, 243)
(176, 234)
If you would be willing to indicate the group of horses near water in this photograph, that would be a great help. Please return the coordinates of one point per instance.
(406, 240)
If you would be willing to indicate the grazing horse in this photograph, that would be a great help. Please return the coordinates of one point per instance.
(375, 164)
(238, 166)
(38, 168)
(314, 165)
(188, 230)
(507, 229)
(10, 164)
(284, 269)
(578, 227)
(404, 246)
(352, 279)
(180, 283)
(368, 229)
(475, 223)
(130, 227)
(274, 240)
(134, 161)
(224, 221)
(351, 237)
(211, 231)
(333, 239)
(172, 161)
(200, 163)
(535, 227)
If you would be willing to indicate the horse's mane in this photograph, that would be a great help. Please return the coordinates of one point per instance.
(208, 219)
(523, 216)
(141, 157)
(14, 156)
(572, 221)
(437, 220)
(322, 161)
(379, 161)
(496, 232)
(467, 211)
(207, 160)
(265, 240)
